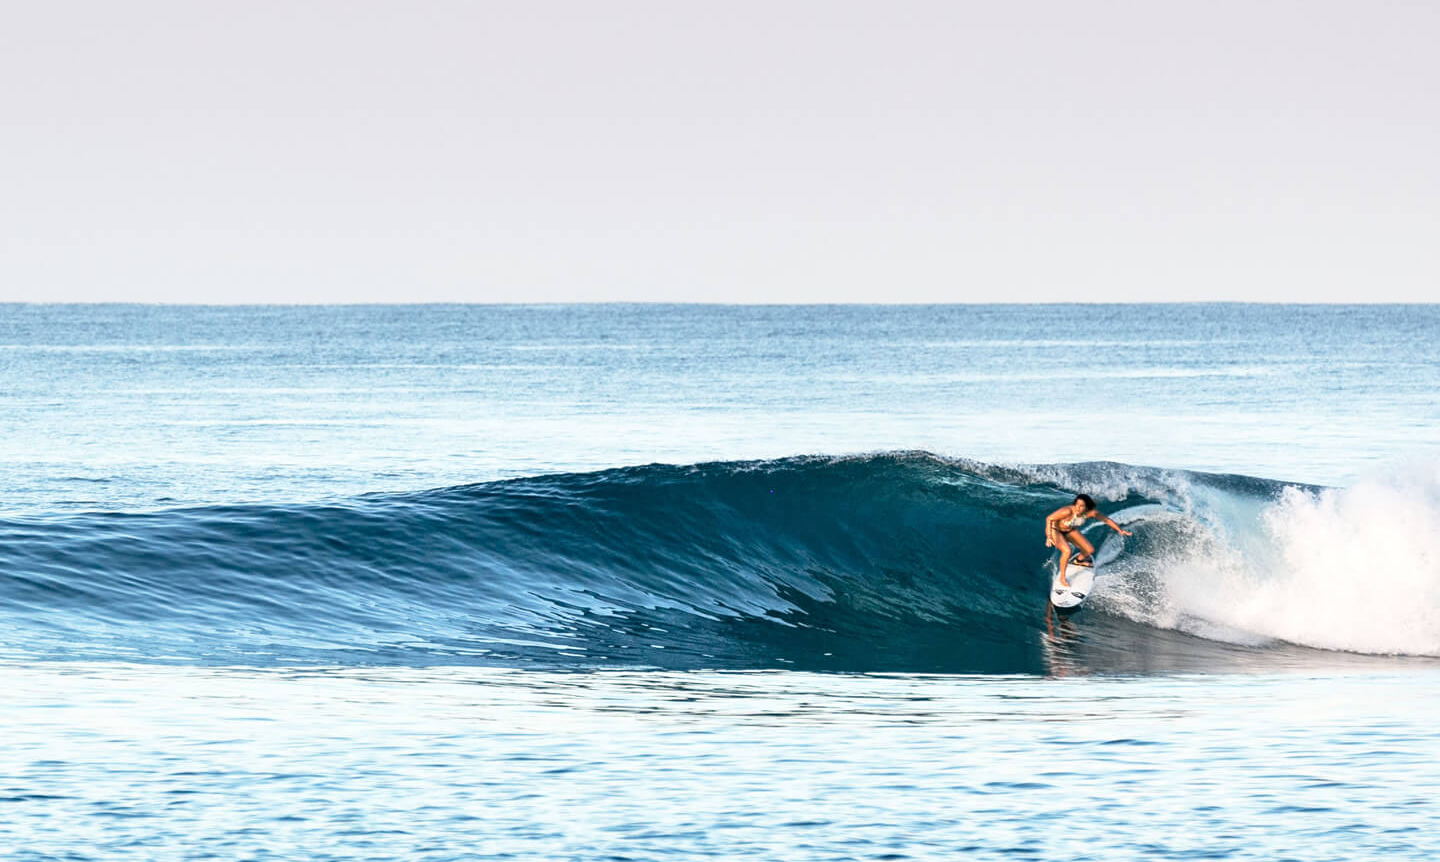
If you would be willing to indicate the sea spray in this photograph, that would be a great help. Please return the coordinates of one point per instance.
(1339, 568)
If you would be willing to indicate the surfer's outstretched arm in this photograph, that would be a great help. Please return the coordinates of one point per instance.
(1112, 525)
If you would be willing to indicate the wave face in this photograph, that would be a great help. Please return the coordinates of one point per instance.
(893, 562)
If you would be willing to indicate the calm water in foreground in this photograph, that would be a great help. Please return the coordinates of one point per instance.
(133, 762)
(672, 582)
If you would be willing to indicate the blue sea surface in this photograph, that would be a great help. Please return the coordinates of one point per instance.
(654, 582)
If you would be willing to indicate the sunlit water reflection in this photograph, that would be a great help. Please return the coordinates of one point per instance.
(148, 762)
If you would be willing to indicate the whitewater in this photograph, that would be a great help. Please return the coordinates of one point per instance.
(631, 581)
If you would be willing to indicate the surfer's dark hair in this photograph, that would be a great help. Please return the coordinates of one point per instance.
(1088, 500)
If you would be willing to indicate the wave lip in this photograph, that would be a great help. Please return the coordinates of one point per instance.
(902, 561)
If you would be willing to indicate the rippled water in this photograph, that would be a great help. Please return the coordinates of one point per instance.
(132, 406)
(408, 583)
(135, 762)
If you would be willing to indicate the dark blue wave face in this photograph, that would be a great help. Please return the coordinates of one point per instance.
(900, 562)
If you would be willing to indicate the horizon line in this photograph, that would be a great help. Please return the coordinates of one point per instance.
(658, 302)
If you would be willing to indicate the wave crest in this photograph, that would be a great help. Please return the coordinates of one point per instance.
(897, 561)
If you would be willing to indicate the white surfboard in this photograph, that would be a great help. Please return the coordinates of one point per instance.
(1081, 582)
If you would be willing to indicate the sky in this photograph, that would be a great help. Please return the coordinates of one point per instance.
(737, 151)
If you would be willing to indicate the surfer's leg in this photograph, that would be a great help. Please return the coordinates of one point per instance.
(1086, 550)
(1064, 558)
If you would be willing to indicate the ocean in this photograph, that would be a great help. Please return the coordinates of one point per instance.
(637, 582)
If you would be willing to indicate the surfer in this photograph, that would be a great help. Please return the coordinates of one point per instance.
(1062, 529)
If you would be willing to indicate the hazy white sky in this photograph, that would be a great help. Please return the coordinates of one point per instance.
(838, 151)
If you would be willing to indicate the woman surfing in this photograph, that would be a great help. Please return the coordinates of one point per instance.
(1062, 530)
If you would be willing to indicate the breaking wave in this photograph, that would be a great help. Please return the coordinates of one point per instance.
(890, 562)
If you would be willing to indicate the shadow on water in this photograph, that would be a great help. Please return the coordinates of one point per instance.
(1088, 642)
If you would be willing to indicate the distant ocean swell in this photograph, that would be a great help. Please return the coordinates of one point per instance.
(892, 562)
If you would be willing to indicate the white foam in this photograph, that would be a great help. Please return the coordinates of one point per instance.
(1353, 569)
(1107, 482)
